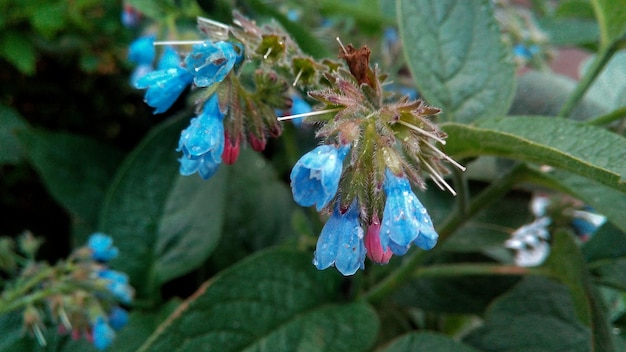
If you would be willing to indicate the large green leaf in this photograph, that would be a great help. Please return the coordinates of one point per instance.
(538, 315)
(426, 341)
(76, 171)
(274, 301)
(582, 149)
(164, 224)
(611, 15)
(457, 58)
(610, 85)
(12, 124)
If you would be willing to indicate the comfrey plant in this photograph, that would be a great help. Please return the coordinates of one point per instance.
(79, 296)
(373, 145)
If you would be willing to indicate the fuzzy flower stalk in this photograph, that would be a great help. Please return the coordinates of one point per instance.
(80, 296)
(373, 149)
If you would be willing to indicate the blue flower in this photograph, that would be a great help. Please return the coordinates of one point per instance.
(118, 318)
(164, 87)
(202, 143)
(299, 106)
(139, 72)
(210, 62)
(101, 247)
(405, 219)
(341, 242)
(142, 51)
(169, 59)
(103, 334)
(315, 177)
(521, 50)
(117, 284)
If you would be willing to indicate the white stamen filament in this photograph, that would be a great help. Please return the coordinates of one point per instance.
(64, 319)
(214, 23)
(267, 53)
(436, 175)
(297, 78)
(445, 156)
(341, 45)
(179, 42)
(313, 113)
(426, 133)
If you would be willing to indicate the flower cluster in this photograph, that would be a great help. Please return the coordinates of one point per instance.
(236, 104)
(82, 295)
(362, 173)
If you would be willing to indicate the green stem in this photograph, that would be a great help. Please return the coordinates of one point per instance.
(465, 269)
(462, 188)
(601, 59)
(496, 190)
(608, 118)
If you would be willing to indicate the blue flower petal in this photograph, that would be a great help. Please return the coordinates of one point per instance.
(315, 177)
(142, 51)
(103, 334)
(118, 318)
(102, 247)
(210, 62)
(169, 59)
(164, 87)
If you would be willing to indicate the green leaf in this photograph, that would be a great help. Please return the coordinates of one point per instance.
(18, 51)
(611, 15)
(569, 31)
(141, 325)
(164, 224)
(582, 149)
(12, 124)
(543, 93)
(274, 301)
(457, 58)
(426, 341)
(538, 315)
(608, 243)
(76, 171)
(610, 85)
(49, 18)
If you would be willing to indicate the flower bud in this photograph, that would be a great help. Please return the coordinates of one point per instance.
(231, 149)
(257, 143)
(375, 251)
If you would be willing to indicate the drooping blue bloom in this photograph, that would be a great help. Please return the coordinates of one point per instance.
(103, 334)
(117, 284)
(586, 222)
(118, 318)
(169, 59)
(142, 51)
(405, 220)
(139, 72)
(341, 242)
(522, 51)
(164, 87)
(315, 177)
(202, 142)
(299, 106)
(102, 248)
(210, 62)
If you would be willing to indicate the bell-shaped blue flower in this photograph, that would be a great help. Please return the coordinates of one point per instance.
(315, 177)
(202, 143)
(164, 87)
(139, 72)
(142, 51)
(103, 334)
(210, 62)
(101, 247)
(169, 59)
(341, 242)
(118, 318)
(117, 284)
(405, 220)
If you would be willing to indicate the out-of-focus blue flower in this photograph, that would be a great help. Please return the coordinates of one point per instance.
(169, 59)
(210, 62)
(102, 248)
(315, 177)
(530, 242)
(103, 334)
(341, 242)
(164, 87)
(130, 16)
(117, 284)
(299, 106)
(586, 222)
(202, 143)
(118, 318)
(405, 220)
(524, 51)
(142, 51)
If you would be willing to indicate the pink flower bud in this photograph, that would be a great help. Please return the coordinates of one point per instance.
(258, 144)
(375, 250)
(231, 149)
